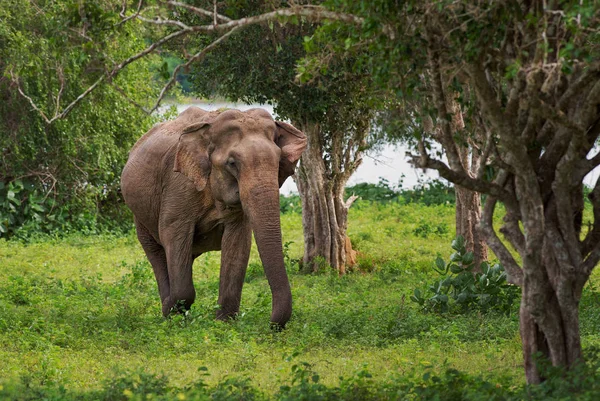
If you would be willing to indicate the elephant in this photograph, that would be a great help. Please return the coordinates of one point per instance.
(205, 181)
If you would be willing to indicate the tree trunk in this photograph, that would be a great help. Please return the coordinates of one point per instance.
(549, 316)
(468, 203)
(468, 217)
(324, 212)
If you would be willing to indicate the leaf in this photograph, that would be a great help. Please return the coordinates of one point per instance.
(441, 265)
(456, 269)
(37, 207)
(467, 258)
(456, 257)
(458, 243)
(348, 43)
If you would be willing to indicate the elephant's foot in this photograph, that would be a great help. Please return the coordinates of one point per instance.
(225, 315)
(277, 327)
(180, 307)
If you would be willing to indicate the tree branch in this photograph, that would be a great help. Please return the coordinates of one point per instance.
(200, 11)
(196, 57)
(462, 178)
(311, 12)
(67, 109)
(132, 16)
(513, 272)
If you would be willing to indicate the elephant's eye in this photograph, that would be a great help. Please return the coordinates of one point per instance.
(231, 162)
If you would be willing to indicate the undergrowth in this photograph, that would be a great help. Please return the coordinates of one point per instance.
(80, 318)
(303, 383)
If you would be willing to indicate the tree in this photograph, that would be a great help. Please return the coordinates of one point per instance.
(401, 120)
(533, 70)
(533, 74)
(170, 33)
(62, 175)
(335, 113)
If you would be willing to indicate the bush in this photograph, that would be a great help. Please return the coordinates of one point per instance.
(26, 210)
(580, 383)
(290, 203)
(64, 176)
(466, 290)
(380, 192)
(434, 192)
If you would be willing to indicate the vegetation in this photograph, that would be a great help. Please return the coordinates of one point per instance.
(517, 86)
(433, 192)
(80, 319)
(532, 104)
(465, 288)
(64, 176)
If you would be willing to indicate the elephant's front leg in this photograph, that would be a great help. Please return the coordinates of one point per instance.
(235, 251)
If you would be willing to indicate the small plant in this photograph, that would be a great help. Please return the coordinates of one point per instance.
(425, 229)
(289, 262)
(465, 289)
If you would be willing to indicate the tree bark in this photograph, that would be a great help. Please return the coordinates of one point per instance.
(324, 212)
(468, 217)
(549, 316)
(468, 203)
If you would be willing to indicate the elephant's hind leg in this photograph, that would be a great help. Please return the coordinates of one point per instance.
(158, 259)
(178, 247)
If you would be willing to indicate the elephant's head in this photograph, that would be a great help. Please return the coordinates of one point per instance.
(244, 157)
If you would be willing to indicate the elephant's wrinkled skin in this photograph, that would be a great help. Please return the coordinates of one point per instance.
(204, 182)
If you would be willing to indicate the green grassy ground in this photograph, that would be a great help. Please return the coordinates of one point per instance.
(75, 311)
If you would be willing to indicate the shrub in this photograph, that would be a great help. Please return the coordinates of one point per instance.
(290, 203)
(580, 383)
(380, 192)
(434, 192)
(465, 289)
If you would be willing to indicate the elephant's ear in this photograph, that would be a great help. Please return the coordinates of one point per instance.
(192, 157)
(292, 142)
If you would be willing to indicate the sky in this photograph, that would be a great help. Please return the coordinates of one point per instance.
(389, 163)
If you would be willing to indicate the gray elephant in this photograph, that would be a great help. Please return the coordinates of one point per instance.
(205, 181)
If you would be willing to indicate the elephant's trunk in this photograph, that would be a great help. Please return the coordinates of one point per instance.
(261, 204)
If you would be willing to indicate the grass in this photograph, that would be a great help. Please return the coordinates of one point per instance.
(75, 312)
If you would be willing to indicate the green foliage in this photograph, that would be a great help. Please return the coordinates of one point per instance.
(424, 230)
(20, 204)
(26, 212)
(449, 384)
(380, 192)
(290, 203)
(80, 318)
(65, 176)
(134, 385)
(432, 192)
(464, 289)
